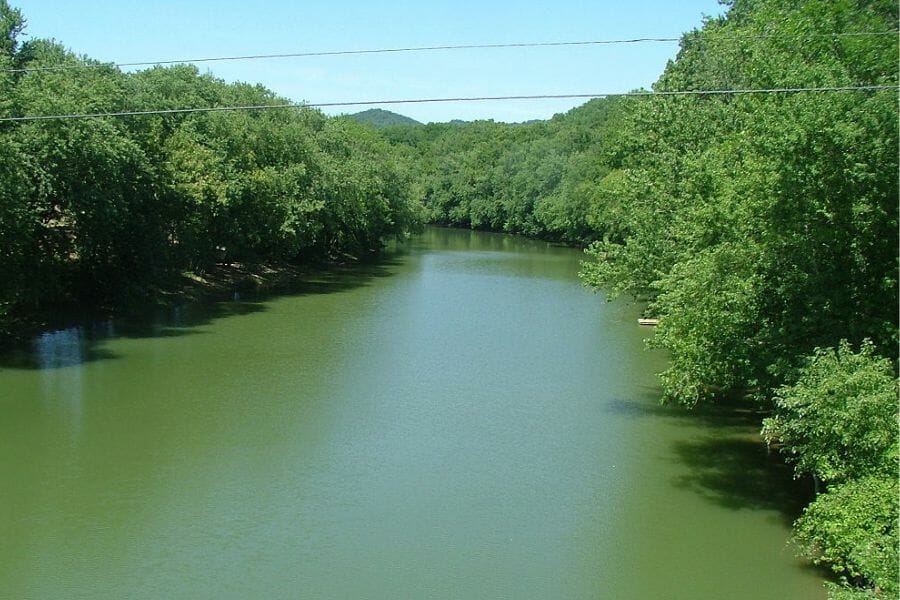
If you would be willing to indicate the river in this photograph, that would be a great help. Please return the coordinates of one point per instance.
(461, 419)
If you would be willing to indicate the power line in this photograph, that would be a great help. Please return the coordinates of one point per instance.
(259, 107)
(431, 49)
(346, 53)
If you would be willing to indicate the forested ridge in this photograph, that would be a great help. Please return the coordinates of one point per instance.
(760, 229)
(379, 118)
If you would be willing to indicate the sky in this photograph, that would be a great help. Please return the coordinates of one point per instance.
(132, 31)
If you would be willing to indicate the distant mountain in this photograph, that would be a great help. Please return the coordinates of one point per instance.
(379, 118)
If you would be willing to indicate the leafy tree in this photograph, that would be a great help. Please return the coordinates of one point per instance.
(12, 23)
(852, 528)
(839, 419)
(839, 423)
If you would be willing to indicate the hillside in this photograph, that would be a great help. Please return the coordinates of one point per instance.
(379, 118)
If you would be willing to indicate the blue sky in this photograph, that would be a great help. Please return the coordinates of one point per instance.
(166, 30)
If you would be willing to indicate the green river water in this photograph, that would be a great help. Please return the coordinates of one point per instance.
(460, 420)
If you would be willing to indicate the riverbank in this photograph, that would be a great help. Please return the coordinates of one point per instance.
(221, 281)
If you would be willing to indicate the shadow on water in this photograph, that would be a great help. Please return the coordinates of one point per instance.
(81, 339)
(461, 239)
(726, 413)
(724, 458)
(739, 472)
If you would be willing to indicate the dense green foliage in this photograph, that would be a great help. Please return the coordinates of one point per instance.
(838, 423)
(105, 209)
(535, 179)
(762, 226)
(853, 528)
(839, 418)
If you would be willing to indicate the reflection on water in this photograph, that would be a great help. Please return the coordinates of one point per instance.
(59, 355)
(68, 347)
(63, 348)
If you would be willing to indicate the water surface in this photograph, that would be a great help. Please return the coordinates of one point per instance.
(461, 420)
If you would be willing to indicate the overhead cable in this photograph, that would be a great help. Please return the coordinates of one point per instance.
(429, 49)
(639, 94)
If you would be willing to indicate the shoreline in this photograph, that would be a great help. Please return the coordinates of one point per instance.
(188, 287)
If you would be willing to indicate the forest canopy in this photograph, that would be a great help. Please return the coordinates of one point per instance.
(101, 210)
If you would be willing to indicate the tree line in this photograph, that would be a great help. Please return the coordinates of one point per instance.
(761, 230)
(104, 210)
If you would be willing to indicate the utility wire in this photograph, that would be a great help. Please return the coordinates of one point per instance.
(259, 107)
(428, 49)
